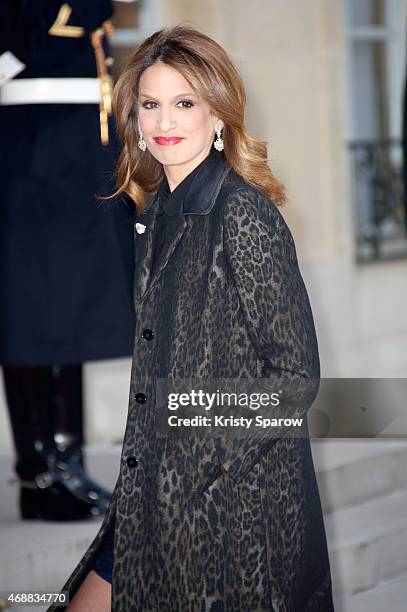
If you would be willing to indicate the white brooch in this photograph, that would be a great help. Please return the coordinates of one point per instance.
(140, 228)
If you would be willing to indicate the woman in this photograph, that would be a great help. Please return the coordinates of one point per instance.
(212, 523)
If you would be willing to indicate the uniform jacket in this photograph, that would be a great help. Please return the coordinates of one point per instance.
(66, 258)
(205, 525)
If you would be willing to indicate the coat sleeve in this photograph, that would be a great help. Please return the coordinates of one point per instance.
(260, 251)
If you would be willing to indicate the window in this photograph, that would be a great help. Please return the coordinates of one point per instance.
(376, 51)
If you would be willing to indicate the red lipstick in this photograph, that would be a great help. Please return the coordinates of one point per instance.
(167, 141)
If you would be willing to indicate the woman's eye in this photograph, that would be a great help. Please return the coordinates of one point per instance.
(188, 102)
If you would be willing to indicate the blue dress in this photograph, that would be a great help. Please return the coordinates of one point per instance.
(170, 205)
(103, 565)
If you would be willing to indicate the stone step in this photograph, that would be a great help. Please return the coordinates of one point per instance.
(39, 555)
(352, 471)
(367, 543)
(390, 595)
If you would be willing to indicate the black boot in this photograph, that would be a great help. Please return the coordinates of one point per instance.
(68, 436)
(44, 493)
(49, 495)
(70, 464)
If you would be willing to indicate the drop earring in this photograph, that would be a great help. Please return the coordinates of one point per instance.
(141, 143)
(218, 144)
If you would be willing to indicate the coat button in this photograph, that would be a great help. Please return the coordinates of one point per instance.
(141, 398)
(148, 334)
(131, 462)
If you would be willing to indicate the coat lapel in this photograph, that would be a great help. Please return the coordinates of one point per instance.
(180, 225)
(199, 200)
(144, 248)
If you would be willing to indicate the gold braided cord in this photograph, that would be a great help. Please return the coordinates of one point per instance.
(106, 83)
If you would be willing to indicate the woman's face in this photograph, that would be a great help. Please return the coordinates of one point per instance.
(177, 125)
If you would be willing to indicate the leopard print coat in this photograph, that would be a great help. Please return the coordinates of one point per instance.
(211, 525)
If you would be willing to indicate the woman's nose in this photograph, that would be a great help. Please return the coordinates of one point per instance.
(166, 120)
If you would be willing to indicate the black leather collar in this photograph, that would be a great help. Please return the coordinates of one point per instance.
(197, 193)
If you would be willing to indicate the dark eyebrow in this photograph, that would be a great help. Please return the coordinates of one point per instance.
(189, 93)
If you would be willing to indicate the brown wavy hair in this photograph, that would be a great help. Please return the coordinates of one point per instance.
(211, 74)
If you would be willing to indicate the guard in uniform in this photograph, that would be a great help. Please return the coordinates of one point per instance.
(66, 256)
